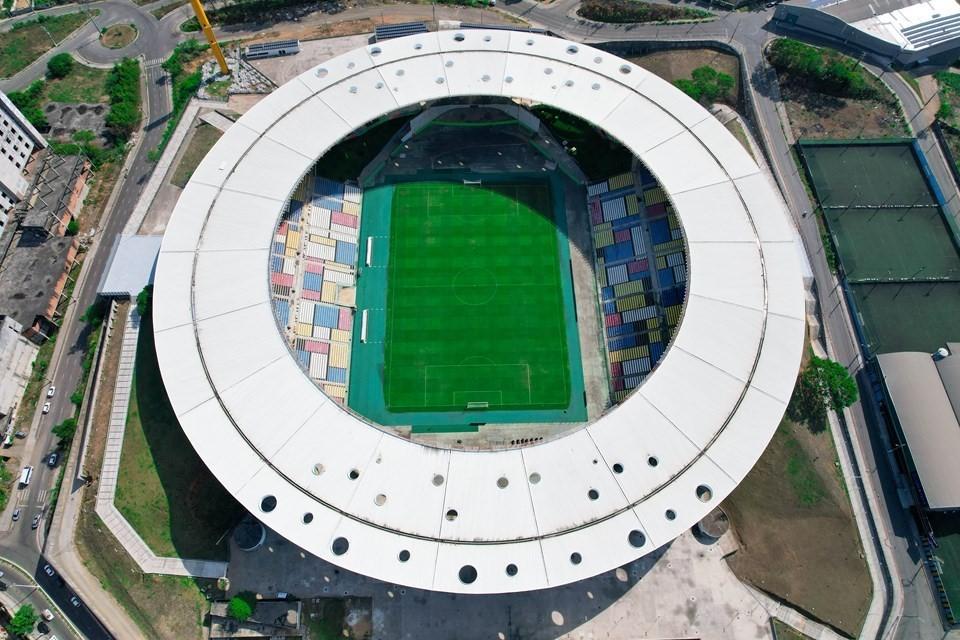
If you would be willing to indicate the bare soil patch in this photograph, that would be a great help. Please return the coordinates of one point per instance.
(678, 64)
(798, 539)
(819, 116)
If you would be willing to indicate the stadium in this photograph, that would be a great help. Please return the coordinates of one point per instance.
(477, 363)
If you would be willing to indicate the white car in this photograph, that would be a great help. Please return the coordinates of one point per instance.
(47, 615)
(52, 390)
(46, 407)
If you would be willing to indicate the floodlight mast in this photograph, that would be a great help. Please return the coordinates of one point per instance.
(208, 32)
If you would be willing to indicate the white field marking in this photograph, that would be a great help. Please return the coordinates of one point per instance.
(426, 377)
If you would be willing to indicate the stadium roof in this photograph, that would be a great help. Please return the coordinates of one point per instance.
(378, 503)
(926, 400)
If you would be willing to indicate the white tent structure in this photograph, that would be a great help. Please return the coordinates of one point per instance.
(479, 521)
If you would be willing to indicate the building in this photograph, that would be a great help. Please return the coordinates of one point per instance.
(16, 364)
(924, 401)
(522, 516)
(907, 33)
(18, 141)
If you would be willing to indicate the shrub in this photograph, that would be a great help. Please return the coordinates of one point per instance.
(23, 620)
(73, 228)
(66, 430)
(143, 300)
(241, 606)
(827, 71)
(622, 11)
(707, 83)
(60, 65)
(28, 101)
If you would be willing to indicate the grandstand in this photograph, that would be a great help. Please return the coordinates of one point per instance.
(641, 272)
(313, 278)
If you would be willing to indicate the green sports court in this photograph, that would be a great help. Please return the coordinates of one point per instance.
(469, 302)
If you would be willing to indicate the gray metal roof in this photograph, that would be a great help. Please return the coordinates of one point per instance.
(927, 419)
(132, 261)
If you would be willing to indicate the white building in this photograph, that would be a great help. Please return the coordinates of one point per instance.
(18, 140)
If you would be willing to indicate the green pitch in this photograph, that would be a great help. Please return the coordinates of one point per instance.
(475, 316)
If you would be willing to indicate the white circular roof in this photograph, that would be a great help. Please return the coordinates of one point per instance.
(569, 508)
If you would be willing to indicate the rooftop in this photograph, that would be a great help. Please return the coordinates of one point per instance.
(131, 265)
(50, 197)
(30, 272)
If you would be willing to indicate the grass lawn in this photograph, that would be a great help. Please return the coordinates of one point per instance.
(204, 137)
(22, 45)
(784, 631)
(118, 36)
(164, 9)
(84, 84)
(164, 489)
(475, 306)
(798, 539)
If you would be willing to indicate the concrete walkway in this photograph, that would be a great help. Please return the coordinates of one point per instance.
(147, 560)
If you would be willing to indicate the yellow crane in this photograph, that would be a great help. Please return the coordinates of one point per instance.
(212, 39)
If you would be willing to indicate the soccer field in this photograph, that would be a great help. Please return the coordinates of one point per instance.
(475, 316)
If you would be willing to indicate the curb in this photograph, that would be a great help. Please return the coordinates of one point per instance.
(46, 595)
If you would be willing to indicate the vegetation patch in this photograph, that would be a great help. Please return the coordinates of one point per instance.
(598, 155)
(204, 137)
(947, 114)
(163, 488)
(708, 85)
(123, 87)
(830, 96)
(630, 11)
(83, 84)
(27, 40)
(118, 36)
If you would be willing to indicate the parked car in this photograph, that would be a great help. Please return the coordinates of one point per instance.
(52, 390)
(21, 434)
(47, 615)
(36, 522)
(43, 627)
(46, 407)
(16, 514)
(74, 601)
(47, 569)
(52, 459)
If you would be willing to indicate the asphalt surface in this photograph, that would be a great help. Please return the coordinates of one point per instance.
(746, 31)
(71, 604)
(21, 589)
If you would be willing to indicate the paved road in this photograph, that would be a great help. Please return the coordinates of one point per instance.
(70, 603)
(21, 588)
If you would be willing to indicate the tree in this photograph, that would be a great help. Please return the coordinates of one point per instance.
(73, 228)
(66, 429)
(23, 620)
(823, 386)
(60, 65)
(143, 300)
(241, 606)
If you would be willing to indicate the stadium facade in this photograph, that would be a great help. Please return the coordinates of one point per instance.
(469, 521)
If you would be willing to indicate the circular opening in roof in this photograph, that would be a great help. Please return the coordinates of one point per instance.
(268, 504)
(437, 480)
(467, 574)
(400, 72)
(418, 46)
(440, 81)
(485, 78)
(597, 59)
(487, 38)
(351, 65)
(512, 570)
(625, 69)
(380, 500)
(534, 478)
(704, 493)
(403, 556)
(508, 79)
(652, 461)
(502, 482)
(572, 49)
(354, 474)
(617, 467)
(451, 515)
(317, 469)
(322, 73)
(340, 546)
(593, 494)
(568, 83)
(595, 86)
(636, 538)
(375, 51)
(307, 518)
(448, 63)
(575, 558)
(548, 71)
(670, 514)
(459, 37)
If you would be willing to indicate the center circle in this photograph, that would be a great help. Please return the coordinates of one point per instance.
(475, 286)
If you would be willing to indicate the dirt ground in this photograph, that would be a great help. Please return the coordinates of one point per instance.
(678, 64)
(163, 606)
(819, 116)
(798, 539)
